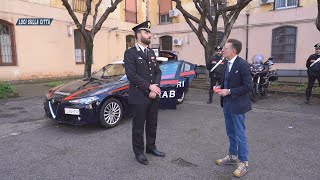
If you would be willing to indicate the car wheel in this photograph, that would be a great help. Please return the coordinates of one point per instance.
(180, 101)
(111, 113)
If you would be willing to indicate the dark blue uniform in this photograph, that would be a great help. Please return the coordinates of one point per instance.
(216, 75)
(142, 70)
(313, 74)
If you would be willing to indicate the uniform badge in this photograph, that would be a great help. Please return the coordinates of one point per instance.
(139, 57)
(213, 62)
(152, 57)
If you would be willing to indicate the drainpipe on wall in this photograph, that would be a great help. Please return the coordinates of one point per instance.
(247, 35)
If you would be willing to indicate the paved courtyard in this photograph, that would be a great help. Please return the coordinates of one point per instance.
(282, 132)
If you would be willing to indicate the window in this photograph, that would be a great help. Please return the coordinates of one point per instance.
(283, 4)
(130, 40)
(166, 43)
(7, 44)
(187, 67)
(220, 4)
(164, 7)
(284, 44)
(131, 11)
(80, 48)
(79, 5)
(219, 37)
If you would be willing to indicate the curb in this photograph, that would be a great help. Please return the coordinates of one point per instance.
(43, 80)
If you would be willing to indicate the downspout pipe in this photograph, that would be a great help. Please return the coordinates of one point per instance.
(247, 36)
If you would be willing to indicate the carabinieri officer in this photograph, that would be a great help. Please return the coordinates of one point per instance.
(144, 75)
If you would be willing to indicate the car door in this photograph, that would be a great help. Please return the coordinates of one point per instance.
(186, 75)
(169, 80)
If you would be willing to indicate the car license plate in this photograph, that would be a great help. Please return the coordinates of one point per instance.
(71, 111)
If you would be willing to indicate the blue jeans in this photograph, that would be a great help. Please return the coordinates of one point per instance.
(236, 131)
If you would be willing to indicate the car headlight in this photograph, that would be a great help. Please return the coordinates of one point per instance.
(88, 100)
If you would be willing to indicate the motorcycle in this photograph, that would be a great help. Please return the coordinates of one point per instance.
(262, 75)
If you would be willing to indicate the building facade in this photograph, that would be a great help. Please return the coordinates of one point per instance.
(33, 52)
(284, 29)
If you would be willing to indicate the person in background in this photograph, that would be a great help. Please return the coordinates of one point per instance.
(215, 75)
(313, 65)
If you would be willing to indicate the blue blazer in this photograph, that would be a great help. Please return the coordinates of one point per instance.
(240, 84)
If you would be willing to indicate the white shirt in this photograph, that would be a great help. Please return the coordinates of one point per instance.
(141, 47)
(230, 62)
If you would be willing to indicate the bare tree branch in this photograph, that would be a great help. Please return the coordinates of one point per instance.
(209, 20)
(73, 16)
(105, 15)
(85, 18)
(240, 5)
(96, 13)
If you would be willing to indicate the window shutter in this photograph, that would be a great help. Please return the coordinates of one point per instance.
(165, 6)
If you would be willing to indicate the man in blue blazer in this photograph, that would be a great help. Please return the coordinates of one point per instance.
(234, 92)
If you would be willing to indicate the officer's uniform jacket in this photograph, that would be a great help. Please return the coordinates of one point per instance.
(142, 70)
(315, 69)
(218, 71)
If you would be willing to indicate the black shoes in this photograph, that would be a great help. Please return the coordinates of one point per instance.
(142, 159)
(209, 101)
(155, 152)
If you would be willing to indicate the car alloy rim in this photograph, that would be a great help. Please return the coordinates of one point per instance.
(182, 97)
(112, 113)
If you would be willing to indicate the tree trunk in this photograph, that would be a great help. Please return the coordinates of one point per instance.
(89, 58)
(318, 17)
(208, 52)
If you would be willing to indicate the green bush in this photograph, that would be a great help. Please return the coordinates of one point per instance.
(6, 90)
(56, 83)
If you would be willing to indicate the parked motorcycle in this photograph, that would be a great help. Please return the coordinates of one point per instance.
(261, 76)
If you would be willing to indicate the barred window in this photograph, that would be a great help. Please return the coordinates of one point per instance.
(284, 44)
(79, 5)
(131, 11)
(283, 4)
(80, 47)
(7, 44)
(166, 43)
(219, 37)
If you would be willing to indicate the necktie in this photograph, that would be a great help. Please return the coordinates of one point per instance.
(226, 74)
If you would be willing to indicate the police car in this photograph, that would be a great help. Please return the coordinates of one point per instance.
(103, 98)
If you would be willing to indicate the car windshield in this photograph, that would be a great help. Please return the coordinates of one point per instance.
(169, 70)
(111, 70)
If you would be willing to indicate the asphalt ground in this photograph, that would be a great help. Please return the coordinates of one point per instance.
(282, 133)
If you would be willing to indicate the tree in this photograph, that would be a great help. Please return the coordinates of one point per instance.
(318, 17)
(205, 26)
(87, 35)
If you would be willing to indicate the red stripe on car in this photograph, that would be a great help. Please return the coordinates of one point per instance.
(74, 95)
(187, 73)
(169, 82)
(120, 89)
